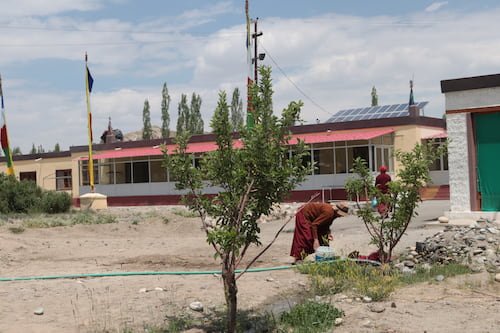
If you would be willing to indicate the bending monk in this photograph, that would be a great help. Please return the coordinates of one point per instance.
(312, 227)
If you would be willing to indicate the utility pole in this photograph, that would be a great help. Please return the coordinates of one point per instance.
(257, 56)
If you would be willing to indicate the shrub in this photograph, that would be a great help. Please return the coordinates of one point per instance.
(18, 196)
(55, 202)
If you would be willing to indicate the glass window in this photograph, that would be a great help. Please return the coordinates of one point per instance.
(378, 158)
(63, 180)
(323, 145)
(340, 160)
(158, 172)
(388, 139)
(355, 152)
(123, 173)
(141, 172)
(28, 175)
(85, 173)
(340, 144)
(445, 161)
(357, 143)
(386, 159)
(107, 172)
(323, 159)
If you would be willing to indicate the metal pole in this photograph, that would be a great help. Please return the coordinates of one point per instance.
(255, 56)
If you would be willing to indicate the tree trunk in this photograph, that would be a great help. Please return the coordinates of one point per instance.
(230, 292)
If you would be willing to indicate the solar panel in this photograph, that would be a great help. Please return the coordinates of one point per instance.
(374, 112)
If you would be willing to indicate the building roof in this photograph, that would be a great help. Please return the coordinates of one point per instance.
(202, 147)
(469, 83)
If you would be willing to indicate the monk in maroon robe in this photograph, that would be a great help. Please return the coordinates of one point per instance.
(312, 227)
(381, 182)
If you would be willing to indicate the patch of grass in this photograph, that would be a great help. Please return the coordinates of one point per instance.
(165, 220)
(341, 276)
(135, 222)
(16, 230)
(184, 212)
(422, 274)
(310, 317)
(49, 221)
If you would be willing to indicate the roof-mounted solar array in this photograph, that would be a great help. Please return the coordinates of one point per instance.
(374, 112)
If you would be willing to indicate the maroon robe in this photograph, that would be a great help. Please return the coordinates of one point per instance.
(312, 221)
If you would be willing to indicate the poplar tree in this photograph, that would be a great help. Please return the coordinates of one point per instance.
(165, 116)
(57, 148)
(147, 131)
(182, 115)
(196, 121)
(33, 149)
(236, 111)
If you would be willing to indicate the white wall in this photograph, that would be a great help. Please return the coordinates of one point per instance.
(475, 98)
(458, 162)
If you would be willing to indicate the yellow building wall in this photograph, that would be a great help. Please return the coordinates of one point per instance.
(75, 158)
(405, 138)
(45, 169)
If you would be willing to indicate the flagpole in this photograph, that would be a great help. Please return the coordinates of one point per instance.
(89, 126)
(4, 138)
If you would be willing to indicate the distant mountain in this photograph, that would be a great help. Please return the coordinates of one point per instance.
(137, 135)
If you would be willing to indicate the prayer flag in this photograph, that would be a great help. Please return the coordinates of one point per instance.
(4, 139)
(89, 82)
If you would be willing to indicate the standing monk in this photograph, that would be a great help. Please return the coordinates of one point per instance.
(312, 227)
(381, 182)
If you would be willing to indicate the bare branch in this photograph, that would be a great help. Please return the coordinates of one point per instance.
(275, 237)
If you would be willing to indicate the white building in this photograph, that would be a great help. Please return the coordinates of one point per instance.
(473, 125)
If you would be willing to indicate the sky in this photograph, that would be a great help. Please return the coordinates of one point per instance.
(327, 53)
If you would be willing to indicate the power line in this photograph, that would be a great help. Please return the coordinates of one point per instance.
(183, 40)
(293, 83)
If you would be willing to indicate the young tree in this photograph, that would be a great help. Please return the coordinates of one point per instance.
(196, 121)
(402, 198)
(165, 116)
(40, 149)
(182, 116)
(236, 110)
(147, 130)
(57, 148)
(33, 149)
(252, 179)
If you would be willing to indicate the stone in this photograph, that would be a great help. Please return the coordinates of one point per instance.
(407, 270)
(366, 323)
(492, 230)
(143, 290)
(38, 311)
(158, 289)
(497, 277)
(409, 263)
(367, 299)
(377, 308)
(393, 305)
(270, 279)
(338, 321)
(196, 306)
(439, 278)
(443, 219)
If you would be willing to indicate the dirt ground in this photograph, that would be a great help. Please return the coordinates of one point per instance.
(142, 241)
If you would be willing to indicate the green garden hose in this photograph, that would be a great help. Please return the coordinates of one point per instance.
(112, 274)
